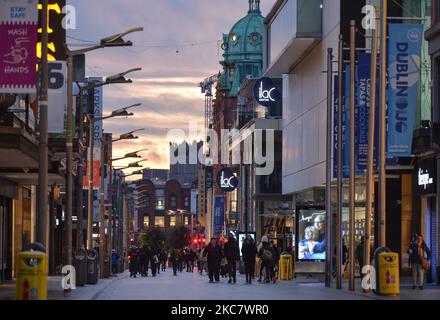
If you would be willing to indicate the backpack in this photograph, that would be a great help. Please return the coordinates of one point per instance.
(267, 255)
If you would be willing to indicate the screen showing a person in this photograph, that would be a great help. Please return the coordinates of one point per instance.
(311, 235)
(241, 237)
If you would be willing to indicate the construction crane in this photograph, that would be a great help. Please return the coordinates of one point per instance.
(206, 87)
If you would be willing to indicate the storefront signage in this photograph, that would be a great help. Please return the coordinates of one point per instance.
(404, 71)
(56, 32)
(426, 176)
(18, 34)
(57, 96)
(226, 180)
(266, 93)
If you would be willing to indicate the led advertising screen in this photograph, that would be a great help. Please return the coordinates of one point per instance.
(311, 240)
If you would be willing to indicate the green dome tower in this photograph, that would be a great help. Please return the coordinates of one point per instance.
(243, 50)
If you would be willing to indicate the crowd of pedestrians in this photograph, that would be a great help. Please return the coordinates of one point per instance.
(218, 259)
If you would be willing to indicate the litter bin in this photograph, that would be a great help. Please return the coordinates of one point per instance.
(107, 266)
(286, 267)
(32, 274)
(92, 266)
(388, 282)
(81, 267)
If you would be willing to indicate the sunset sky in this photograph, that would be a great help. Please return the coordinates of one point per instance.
(178, 48)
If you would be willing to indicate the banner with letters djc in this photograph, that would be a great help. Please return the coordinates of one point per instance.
(404, 76)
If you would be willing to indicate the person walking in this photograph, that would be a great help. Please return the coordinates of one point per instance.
(115, 262)
(266, 256)
(163, 259)
(419, 256)
(249, 251)
(232, 254)
(175, 258)
(203, 261)
(213, 252)
(133, 264)
(360, 254)
(275, 261)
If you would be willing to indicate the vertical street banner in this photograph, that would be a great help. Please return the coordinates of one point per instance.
(404, 78)
(345, 124)
(362, 113)
(98, 107)
(219, 214)
(18, 56)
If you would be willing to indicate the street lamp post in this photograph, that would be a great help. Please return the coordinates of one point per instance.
(118, 113)
(113, 41)
(111, 225)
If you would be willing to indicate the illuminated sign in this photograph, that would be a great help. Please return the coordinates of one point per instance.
(266, 93)
(55, 30)
(226, 180)
(426, 176)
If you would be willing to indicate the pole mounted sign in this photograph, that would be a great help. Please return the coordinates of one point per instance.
(226, 180)
(266, 93)
(405, 46)
(18, 34)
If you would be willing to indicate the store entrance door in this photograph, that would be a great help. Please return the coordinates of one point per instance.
(5, 239)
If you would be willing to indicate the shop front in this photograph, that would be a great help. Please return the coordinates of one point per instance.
(426, 187)
(277, 223)
(7, 193)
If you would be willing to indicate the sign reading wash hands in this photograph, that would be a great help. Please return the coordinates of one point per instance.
(404, 77)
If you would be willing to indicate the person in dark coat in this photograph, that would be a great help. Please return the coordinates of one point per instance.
(213, 252)
(133, 264)
(249, 251)
(360, 254)
(418, 251)
(163, 259)
(152, 260)
(232, 254)
(175, 258)
(275, 261)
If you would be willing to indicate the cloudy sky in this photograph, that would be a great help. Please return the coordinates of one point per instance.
(178, 48)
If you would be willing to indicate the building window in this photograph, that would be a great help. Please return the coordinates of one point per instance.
(186, 221)
(186, 202)
(172, 221)
(173, 201)
(146, 221)
(159, 222)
